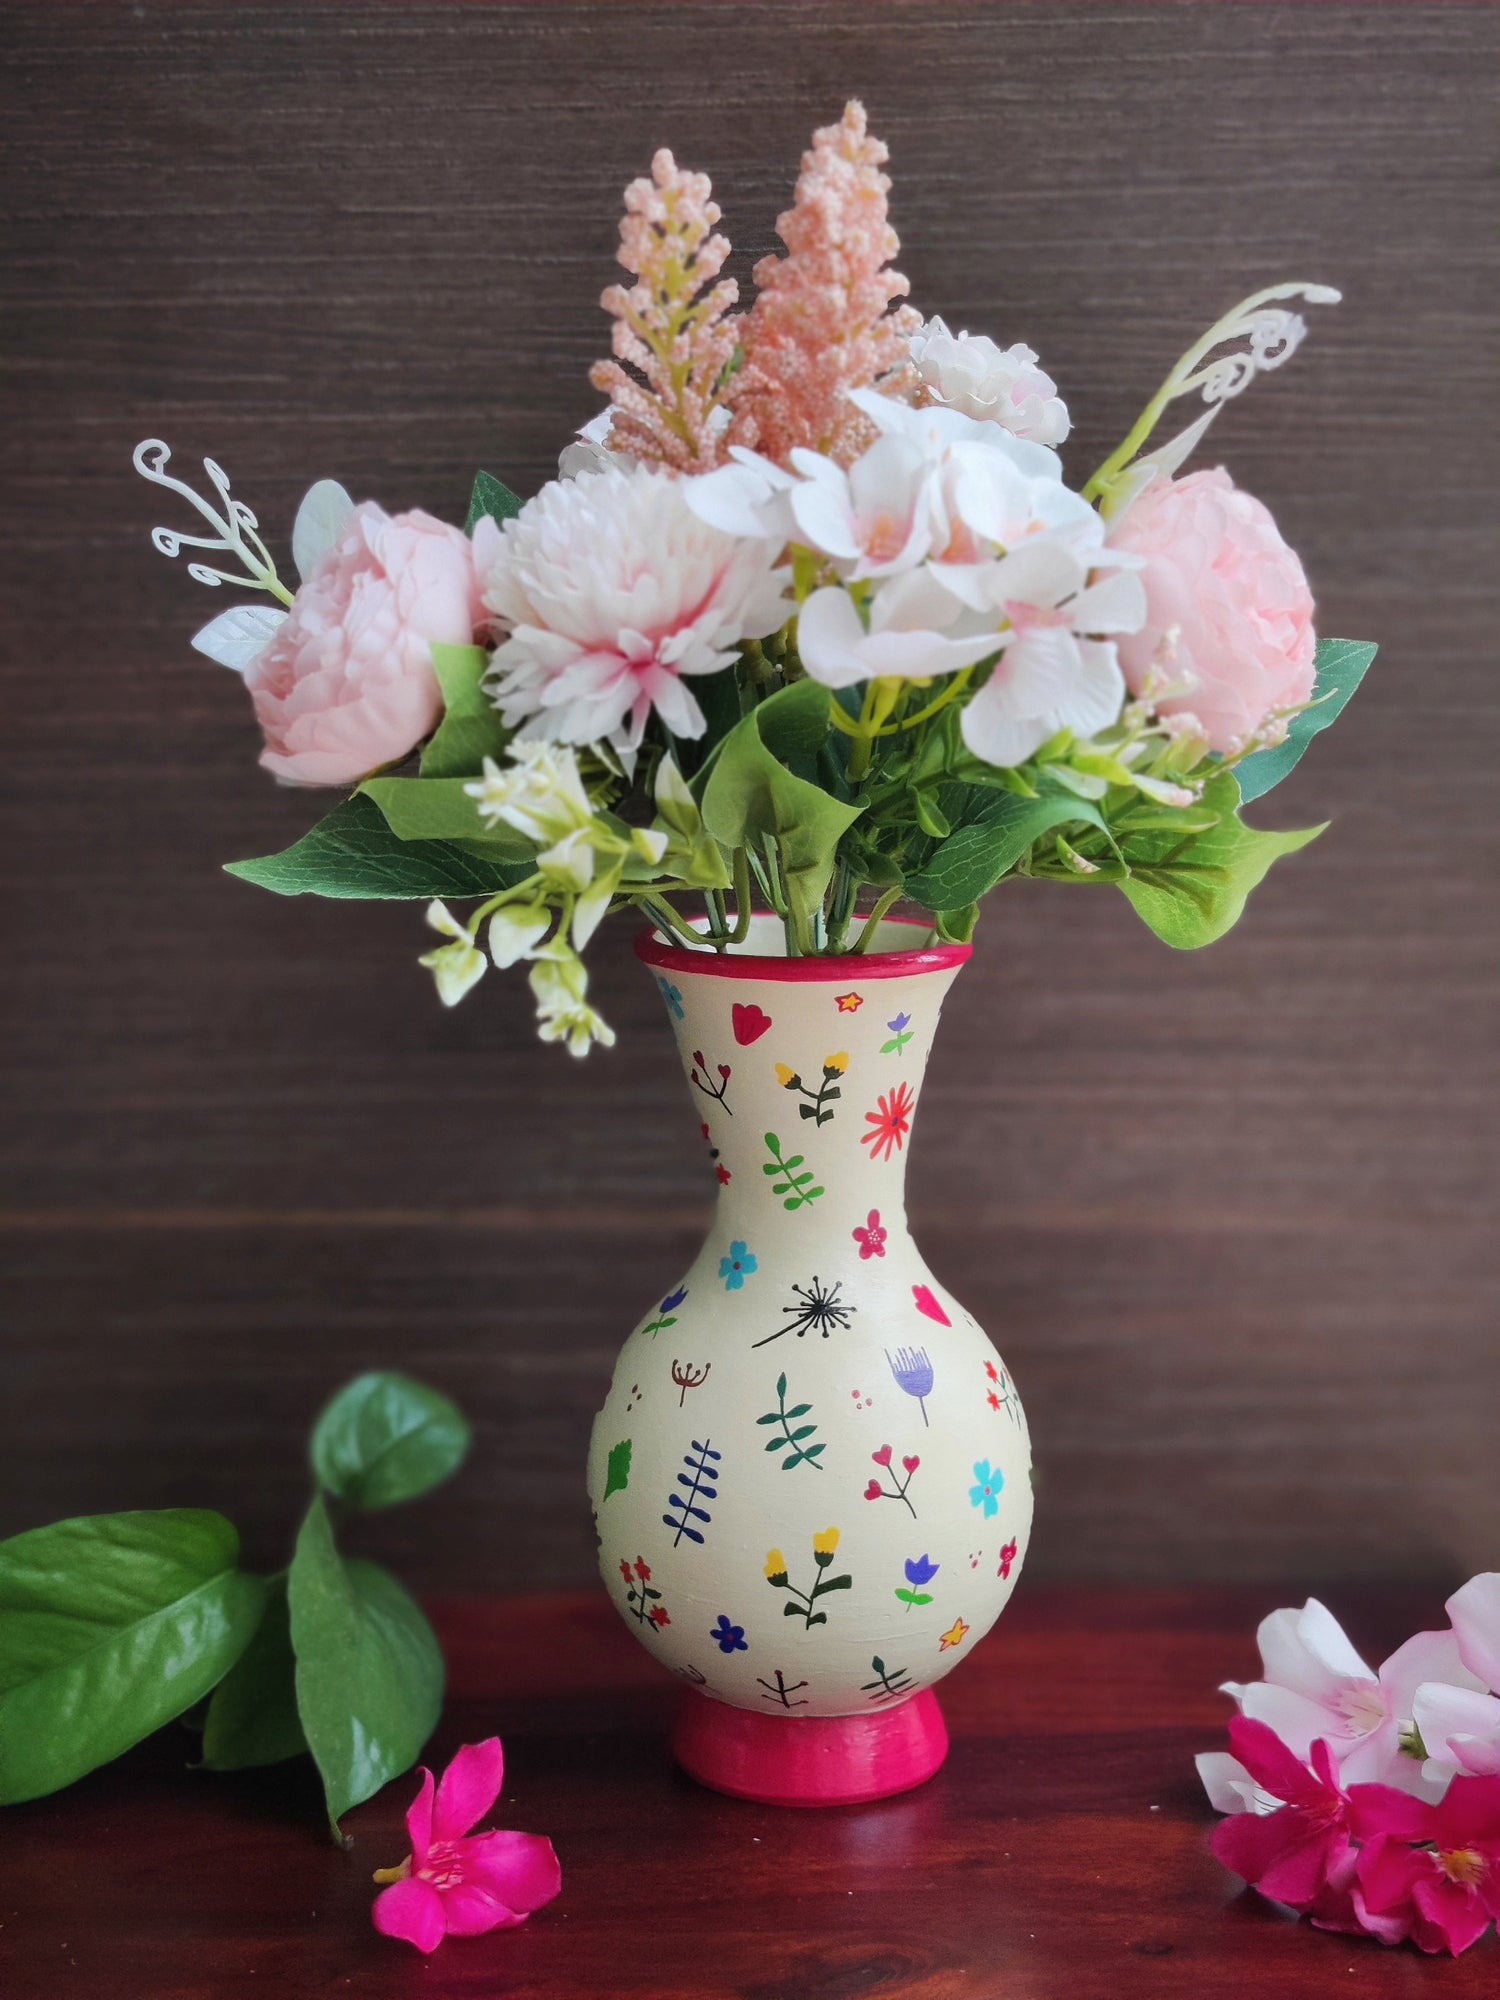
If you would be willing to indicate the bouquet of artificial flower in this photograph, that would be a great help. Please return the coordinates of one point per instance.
(810, 621)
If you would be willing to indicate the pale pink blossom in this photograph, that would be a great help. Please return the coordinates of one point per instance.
(611, 594)
(821, 323)
(1229, 620)
(1005, 386)
(455, 1882)
(904, 639)
(1460, 1724)
(1475, 1612)
(346, 684)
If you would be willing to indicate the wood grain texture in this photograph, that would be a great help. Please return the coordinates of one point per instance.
(1230, 1215)
(1061, 1853)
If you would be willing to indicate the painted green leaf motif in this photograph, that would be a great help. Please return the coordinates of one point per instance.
(750, 792)
(971, 861)
(1340, 667)
(252, 1715)
(471, 729)
(493, 497)
(1192, 891)
(369, 1671)
(617, 1469)
(353, 854)
(385, 1438)
(110, 1626)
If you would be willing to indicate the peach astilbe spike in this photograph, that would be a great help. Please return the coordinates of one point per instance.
(821, 323)
(672, 346)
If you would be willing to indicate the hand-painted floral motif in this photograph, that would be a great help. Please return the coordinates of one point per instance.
(889, 1684)
(729, 1638)
(699, 1078)
(814, 1306)
(920, 1570)
(901, 1033)
(785, 1179)
(889, 1124)
(825, 1547)
(1002, 1395)
(720, 1170)
(701, 1483)
(1007, 1560)
(643, 1603)
(688, 1375)
(957, 1632)
(617, 1470)
(913, 1373)
(871, 1238)
(925, 1301)
(781, 1693)
(666, 1312)
(736, 1267)
(897, 1489)
(987, 1487)
(673, 997)
(849, 1003)
(820, 1100)
(792, 1441)
(750, 1023)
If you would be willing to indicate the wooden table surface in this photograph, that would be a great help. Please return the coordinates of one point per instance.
(1062, 1854)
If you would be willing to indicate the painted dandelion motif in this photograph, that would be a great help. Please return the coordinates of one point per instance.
(815, 1306)
(701, 1482)
(913, 1373)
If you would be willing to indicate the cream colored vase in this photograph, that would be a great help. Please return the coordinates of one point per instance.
(811, 1477)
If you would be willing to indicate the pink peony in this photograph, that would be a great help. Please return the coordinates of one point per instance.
(1228, 607)
(459, 1883)
(347, 683)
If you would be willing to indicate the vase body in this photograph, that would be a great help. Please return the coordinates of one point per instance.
(811, 1476)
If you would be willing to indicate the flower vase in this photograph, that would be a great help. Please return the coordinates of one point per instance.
(811, 1476)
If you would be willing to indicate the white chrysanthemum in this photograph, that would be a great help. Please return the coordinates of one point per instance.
(1001, 385)
(612, 591)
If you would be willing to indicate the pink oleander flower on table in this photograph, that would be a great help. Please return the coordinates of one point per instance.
(1432, 1869)
(346, 684)
(1228, 632)
(456, 1882)
(1459, 1724)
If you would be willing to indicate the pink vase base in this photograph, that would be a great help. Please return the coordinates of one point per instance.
(820, 1760)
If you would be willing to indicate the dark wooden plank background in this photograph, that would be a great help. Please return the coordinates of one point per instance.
(1229, 1215)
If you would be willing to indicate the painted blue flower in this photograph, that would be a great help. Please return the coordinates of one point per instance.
(730, 1638)
(901, 1021)
(920, 1570)
(986, 1493)
(736, 1267)
(912, 1368)
(673, 997)
(674, 1299)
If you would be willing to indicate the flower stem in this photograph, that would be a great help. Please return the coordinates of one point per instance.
(872, 923)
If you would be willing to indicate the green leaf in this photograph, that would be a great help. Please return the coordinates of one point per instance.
(617, 1467)
(957, 926)
(440, 809)
(493, 497)
(369, 1672)
(471, 729)
(971, 861)
(353, 854)
(1191, 891)
(1340, 667)
(110, 1626)
(252, 1715)
(750, 792)
(385, 1438)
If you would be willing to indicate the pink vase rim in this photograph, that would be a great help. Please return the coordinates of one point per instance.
(654, 950)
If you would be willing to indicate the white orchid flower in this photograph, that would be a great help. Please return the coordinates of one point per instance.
(906, 638)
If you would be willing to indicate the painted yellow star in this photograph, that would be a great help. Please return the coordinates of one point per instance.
(954, 1636)
(849, 1003)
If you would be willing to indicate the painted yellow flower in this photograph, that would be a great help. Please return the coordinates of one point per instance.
(775, 1563)
(849, 1003)
(840, 1062)
(955, 1635)
(785, 1076)
(826, 1543)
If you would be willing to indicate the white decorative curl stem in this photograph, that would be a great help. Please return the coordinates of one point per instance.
(236, 527)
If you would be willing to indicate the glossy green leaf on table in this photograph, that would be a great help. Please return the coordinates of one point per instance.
(110, 1626)
(252, 1713)
(385, 1438)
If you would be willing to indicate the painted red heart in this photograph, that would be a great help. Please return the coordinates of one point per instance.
(926, 1303)
(872, 1491)
(883, 1456)
(750, 1023)
(911, 1464)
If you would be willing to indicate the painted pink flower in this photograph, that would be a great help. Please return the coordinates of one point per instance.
(890, 1123)
(871, 1238)
(456, 1881)
(347, 684)
(1437, 1867)
(1228, 607)
(1007, 1560)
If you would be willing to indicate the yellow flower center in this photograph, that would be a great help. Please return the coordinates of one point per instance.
(1463, 1866)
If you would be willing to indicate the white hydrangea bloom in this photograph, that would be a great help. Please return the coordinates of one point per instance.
(1000, 385)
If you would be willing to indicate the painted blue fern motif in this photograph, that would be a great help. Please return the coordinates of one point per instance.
(702, 1486)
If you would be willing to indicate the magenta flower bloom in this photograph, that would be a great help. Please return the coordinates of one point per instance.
(456, 1881)
(1438, 1866)
(1289, 1854)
